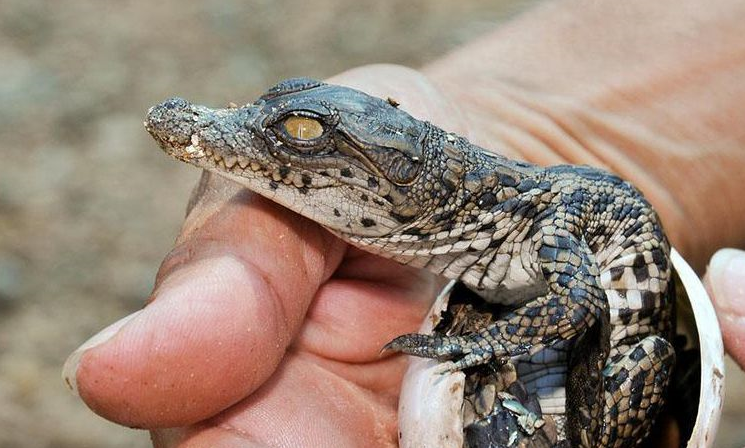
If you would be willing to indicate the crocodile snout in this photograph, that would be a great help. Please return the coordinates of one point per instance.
(172, 122)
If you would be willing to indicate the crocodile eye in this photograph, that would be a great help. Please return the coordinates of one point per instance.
(302, 128)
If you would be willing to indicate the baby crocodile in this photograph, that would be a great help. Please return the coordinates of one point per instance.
(576, 255)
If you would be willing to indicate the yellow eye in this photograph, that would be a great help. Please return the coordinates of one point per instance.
(303, 128)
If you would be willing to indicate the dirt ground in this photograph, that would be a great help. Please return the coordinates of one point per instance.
(89, 206)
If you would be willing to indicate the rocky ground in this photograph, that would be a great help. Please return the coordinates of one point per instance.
(89, 206)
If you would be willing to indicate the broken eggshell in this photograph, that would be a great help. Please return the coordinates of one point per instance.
(431, 403)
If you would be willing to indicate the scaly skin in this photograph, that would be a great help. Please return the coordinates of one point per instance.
(577, 255)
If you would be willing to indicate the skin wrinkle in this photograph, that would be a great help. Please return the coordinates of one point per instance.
(286, 335)
(669, 80)
(512, 141)
(614, 133)
(365, 374)
(567, 142)
(324, 322)
(518, 144)
(311, 380)
(535, 117)
(600, 150)
(693, 64)
(235, 430)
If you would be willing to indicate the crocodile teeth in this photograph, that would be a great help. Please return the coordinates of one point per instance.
(276, 177)
(230, 161)
(255, 166)
(243, 163)
(297, 181)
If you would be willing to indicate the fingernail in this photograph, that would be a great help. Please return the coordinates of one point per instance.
(70, 369)
(726, 274)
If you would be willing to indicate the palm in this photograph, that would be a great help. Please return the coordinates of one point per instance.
(331, 387)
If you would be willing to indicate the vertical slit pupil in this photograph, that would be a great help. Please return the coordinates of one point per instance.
(303, 128)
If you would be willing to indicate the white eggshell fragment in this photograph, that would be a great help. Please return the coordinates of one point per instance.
(711, 392)
(430, 406)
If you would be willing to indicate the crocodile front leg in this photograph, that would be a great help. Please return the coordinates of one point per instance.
(575, 300)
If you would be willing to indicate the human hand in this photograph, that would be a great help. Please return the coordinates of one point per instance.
(725, 281)
(241, 348)
(264, 329)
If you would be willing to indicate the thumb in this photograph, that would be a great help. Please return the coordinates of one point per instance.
(725, 281)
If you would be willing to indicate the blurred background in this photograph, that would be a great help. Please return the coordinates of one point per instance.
(88, 204)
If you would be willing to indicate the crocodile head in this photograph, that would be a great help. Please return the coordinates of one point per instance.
(349, 161)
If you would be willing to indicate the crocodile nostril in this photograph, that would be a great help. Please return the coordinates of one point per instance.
(175, 103)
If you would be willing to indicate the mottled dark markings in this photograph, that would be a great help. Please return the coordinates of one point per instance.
(578, 316)
(641, 273)
(449, 183)
(445, 216)
(563, 242)
(637, 387)
(565, 213)
(578, 197)
(616, 272)
(626, 315)
(541, 219)
(487, 200)
(544, 185)
(661, 347)
(496, 242)
(637, 354)
(548, 253)
(649, 300)
(401, 218)
(509, 205)
(622, 375)
(526, 185)
(506, 180)
(659, 258)
(564, 279)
